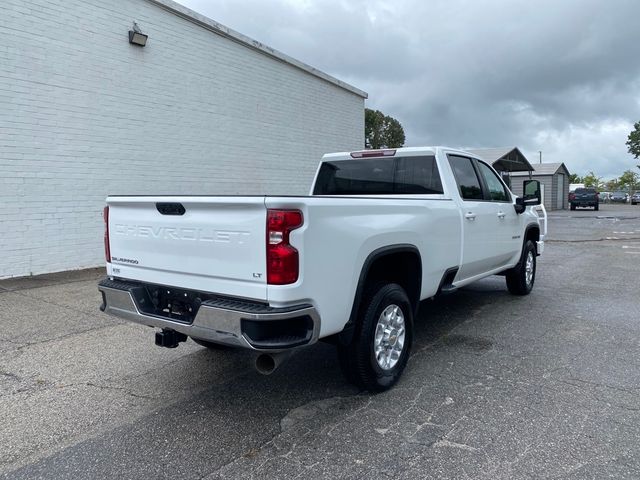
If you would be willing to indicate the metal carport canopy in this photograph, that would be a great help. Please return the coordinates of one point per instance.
(504, 159)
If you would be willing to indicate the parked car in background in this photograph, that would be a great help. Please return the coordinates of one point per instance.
(635, 198)
(605, 197)
(584, 197)
(619, 197)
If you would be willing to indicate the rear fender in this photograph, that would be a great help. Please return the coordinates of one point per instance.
(347, 333)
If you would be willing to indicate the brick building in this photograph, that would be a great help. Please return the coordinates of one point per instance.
(200, 109)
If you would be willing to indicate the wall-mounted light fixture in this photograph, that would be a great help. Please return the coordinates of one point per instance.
(136, 37)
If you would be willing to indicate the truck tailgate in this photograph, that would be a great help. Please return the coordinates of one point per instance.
(213, 244)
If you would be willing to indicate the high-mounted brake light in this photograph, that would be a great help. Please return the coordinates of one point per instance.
(373, 153)
(107, 249)
(282, 258)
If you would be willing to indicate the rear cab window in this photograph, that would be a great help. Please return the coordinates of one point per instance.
(409, 175)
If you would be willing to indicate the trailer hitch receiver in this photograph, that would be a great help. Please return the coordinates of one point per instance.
(169, 338)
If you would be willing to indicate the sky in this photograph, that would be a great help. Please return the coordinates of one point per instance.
(561, 77)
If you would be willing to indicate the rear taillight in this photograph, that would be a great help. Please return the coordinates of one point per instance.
(107, 249)
(282, 258)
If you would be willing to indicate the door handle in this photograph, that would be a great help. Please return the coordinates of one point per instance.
(501, 214)
(470, 216)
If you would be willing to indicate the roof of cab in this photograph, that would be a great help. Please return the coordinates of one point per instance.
(407, 151)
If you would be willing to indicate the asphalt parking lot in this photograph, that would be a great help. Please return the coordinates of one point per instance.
(500, 387)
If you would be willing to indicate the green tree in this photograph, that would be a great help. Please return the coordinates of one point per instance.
(612, 185)
(633, 141)
(629, 180)
(575, 178)
(591, 180)
(382, 131)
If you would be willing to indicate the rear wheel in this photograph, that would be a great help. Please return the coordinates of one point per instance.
(379, 351)
(520, 279)
(210, 345)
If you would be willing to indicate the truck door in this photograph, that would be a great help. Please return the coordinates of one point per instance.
(479, 219)
(507, 234)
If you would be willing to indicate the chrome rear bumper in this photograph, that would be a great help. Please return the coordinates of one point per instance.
(225, 321)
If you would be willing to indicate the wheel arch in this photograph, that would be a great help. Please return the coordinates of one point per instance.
(401, 264)
(532, 232)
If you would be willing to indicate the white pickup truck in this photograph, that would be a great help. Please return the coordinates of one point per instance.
(350, 263)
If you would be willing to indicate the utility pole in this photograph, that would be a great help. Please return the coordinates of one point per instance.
(540, 152)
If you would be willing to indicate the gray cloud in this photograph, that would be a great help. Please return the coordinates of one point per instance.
(561, 77)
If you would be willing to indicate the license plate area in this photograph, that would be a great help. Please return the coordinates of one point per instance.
(167, 302)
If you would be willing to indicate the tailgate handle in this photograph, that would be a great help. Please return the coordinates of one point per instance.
(170, 208)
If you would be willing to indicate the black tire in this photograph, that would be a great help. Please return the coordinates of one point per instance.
(518, 282)
(358, 359)
(573, 207)
(211, 345)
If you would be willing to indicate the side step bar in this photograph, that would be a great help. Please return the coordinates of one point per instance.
(446, 284)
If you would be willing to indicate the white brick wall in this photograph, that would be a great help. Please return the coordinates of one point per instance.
(83, 114)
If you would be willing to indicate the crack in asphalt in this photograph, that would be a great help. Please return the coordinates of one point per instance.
(630, 390)
(119, 389)
(43, 386)
(62, 337)
(49, 302)
(12, 376)
(50, 283)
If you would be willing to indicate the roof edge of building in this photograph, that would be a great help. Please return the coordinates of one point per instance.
(248, 42)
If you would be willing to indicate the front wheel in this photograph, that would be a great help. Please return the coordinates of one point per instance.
(379, 351)
(520, 279)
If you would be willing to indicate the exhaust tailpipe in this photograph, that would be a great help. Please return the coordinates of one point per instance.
(267, 363)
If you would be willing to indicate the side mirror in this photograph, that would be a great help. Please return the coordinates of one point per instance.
(531, 196)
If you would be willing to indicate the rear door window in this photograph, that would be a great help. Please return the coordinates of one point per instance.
(466, 178)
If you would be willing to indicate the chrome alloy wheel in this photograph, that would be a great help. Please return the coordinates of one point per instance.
(528, 268)
(388, 342)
